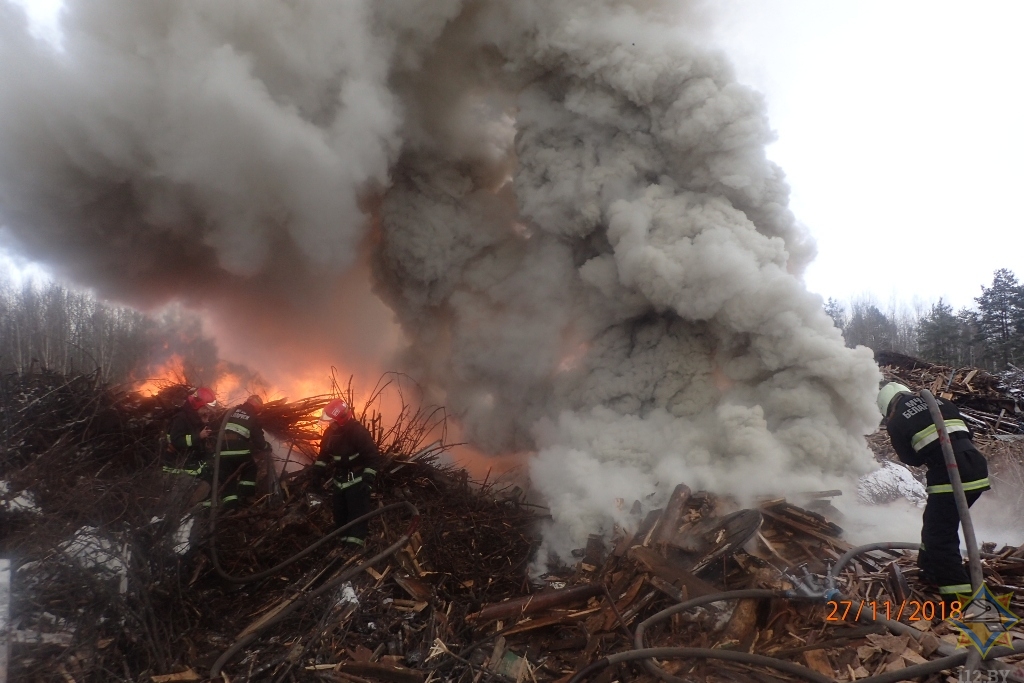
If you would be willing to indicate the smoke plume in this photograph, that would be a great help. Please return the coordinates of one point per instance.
(566, 205)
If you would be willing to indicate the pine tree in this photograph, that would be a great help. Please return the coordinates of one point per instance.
(939, 335)
(837, 312)
(970, 349)
(870, 327)
(1001, 319)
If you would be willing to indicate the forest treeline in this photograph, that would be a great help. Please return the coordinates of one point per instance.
(990, 335)
(50, 326)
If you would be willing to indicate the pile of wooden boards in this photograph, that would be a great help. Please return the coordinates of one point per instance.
(985, 400)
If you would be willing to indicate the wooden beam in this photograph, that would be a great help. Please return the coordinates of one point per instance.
(674, 574)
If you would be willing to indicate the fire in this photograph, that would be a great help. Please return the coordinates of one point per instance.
(172, 371)
(230, 385)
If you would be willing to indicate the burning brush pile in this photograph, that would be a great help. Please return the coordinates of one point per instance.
(116, 577)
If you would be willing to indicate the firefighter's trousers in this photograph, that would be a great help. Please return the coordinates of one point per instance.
(351, 500)
(237, 480)
(939, 558)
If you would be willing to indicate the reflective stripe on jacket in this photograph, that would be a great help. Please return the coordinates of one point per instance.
(350, 452)
(243, 433)
(915, 439)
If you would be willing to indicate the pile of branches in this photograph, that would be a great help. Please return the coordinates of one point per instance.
(112, 578)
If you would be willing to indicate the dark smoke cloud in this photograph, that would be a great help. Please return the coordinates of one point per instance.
(567, 206)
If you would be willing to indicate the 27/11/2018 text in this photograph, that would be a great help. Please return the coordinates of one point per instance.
(913, 610)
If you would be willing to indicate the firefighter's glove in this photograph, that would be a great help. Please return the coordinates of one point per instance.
(369, 477)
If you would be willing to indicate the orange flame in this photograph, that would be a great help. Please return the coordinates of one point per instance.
(172, 371)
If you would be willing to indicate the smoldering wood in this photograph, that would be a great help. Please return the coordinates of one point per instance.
(83, 451)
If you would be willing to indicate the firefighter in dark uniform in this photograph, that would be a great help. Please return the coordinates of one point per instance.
(350, 455)
(243, 440)
(915, 439)
(186, 434)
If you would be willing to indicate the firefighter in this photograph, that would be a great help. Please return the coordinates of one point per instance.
(243, 440)
(186, 435)
(915, 439)
(349, 454)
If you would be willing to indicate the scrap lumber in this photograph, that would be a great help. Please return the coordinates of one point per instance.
(535, 603)
(674, 574)
(669, 522)
(383, 672)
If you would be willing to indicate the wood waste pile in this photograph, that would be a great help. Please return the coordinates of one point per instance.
(988, 402)
(113, 579)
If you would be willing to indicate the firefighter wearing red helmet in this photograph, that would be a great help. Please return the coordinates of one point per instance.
(349, 453)
(187, 432)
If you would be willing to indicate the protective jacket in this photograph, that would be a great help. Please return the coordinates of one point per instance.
(916, 441)
(243, 433)
(243, 439)
(187, 453)
(349, 453)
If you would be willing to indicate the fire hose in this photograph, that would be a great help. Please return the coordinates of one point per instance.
(805, 589)
(307, 597)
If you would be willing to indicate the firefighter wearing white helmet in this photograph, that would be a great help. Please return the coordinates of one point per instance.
(915, 439)
(350, 455)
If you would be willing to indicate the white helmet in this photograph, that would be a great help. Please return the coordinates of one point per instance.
(888, 393)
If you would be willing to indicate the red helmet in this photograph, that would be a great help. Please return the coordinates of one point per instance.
(255, 402)
(202, 397)
(336, 410)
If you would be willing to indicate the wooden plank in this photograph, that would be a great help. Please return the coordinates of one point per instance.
(624, 544)
(643, 534)
(743, 621)
(593, 556)
(677, 594)
(818, 661)
(605, 619)
(188, 676)
(383, 672)
(806, 529)
(550, 620)
(669, 523)
(672, 573)
(417, 589)
(536, 602)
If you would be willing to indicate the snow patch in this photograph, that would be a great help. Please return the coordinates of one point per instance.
(890, 482)
(92, 551)
(23, 502)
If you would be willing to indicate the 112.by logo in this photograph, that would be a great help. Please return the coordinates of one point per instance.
(977, 676)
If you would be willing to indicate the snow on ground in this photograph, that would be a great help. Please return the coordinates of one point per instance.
(888, 483)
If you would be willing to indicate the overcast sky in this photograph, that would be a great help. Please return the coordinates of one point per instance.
(899, 128)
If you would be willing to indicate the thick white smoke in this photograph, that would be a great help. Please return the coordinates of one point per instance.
(629, 303)
(576, 225)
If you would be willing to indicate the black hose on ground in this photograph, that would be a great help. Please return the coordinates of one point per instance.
(755, 593)
(951, 658)
(648, 654)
